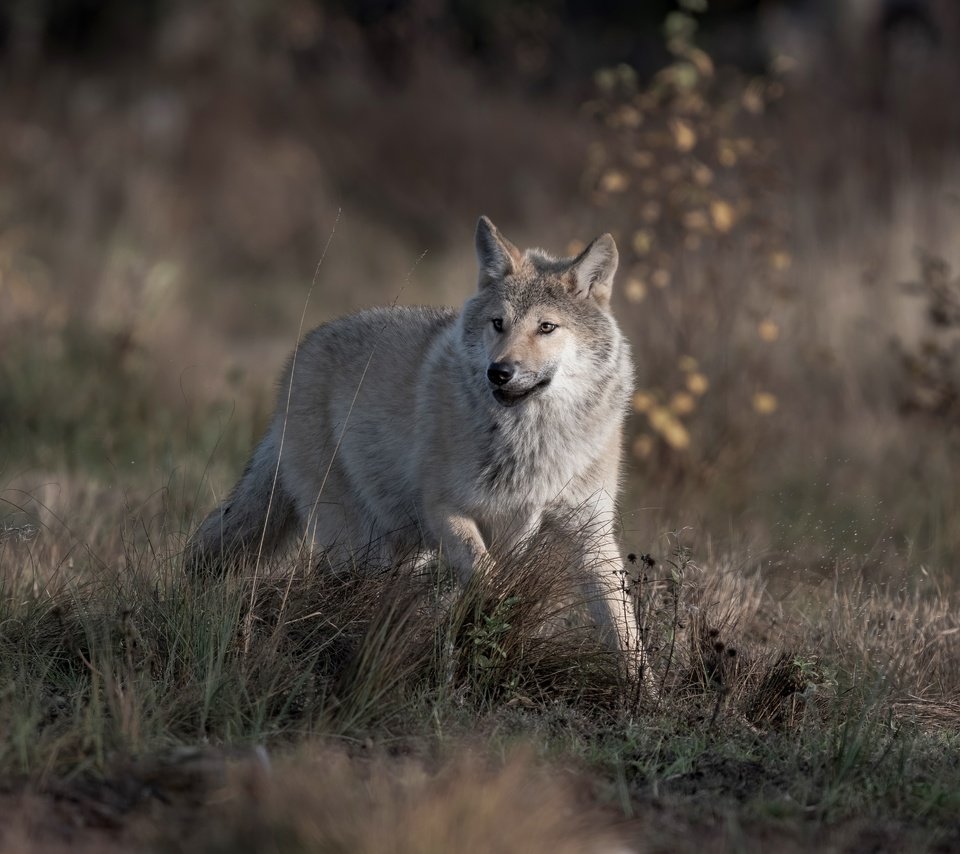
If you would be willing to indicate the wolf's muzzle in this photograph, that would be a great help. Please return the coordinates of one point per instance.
(500, 373)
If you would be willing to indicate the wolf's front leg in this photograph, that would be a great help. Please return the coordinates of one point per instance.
(608, 600)
(610, 603)
(461, 544)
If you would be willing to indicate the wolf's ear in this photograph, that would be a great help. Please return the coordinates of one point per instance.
(496, 256)
(591, 272)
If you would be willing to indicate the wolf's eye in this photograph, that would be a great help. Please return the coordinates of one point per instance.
(547, 327)
(497, 323)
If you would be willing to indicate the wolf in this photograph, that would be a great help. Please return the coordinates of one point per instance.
(462, 431)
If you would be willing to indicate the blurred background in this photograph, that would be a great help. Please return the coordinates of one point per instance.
(782, 178)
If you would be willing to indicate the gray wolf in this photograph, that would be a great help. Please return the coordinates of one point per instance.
(465, 432)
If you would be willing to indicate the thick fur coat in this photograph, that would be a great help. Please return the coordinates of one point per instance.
(403, 431)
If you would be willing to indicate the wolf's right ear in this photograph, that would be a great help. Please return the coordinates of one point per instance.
(592, 271)
(496, 256)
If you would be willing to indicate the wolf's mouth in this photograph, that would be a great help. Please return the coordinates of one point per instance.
(512, 398)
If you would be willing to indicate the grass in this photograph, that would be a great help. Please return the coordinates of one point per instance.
(290, 711)
(75, 400)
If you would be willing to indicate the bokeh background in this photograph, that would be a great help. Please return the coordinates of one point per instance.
(782, 178)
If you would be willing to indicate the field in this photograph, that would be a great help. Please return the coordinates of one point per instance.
(791, 502)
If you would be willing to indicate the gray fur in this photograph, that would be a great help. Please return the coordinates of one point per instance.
(394, 439)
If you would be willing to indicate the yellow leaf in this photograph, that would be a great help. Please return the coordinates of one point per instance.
(643, 401)
(660, 278)
(635, 290)
(764, 403)
(687, 364)
(768, 330)
(614, 181)
(780, 260)
(683, 403)
(642, 241)
(684, 136)
(643, 446)
(702, 175)
(660, 418)
(677, 436)
(666, 424)
(722, 215)
(697, 383)
(726, 153)
(752, 100)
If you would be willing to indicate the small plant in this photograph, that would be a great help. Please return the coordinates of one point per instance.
(687, 174)
(485, 636)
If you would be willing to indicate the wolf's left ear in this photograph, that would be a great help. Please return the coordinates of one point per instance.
(496, 256)
(591, 272)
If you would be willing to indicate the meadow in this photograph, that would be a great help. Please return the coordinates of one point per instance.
(790, 511)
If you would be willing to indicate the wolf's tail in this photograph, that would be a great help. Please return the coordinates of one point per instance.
(255, 519)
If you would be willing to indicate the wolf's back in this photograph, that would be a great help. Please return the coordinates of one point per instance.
(348, 393)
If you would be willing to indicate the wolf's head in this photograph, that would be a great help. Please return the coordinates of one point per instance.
(538, 321)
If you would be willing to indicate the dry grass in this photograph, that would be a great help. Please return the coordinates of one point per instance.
(326, 798)
(334, 801)
(780, 708)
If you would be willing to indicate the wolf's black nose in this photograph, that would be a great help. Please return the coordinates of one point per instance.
(500, 373)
